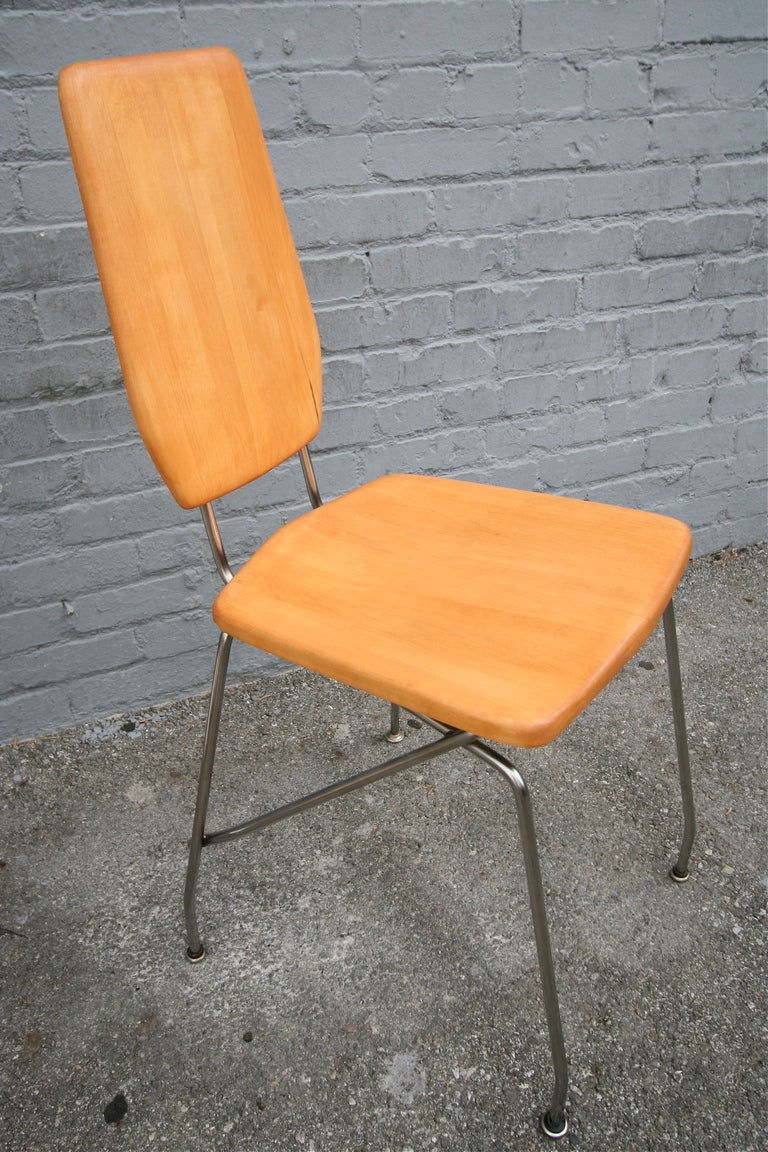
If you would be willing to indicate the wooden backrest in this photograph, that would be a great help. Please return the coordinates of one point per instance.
(213, 326)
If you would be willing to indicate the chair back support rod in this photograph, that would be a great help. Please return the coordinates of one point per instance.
(308, 471)
(216, 542)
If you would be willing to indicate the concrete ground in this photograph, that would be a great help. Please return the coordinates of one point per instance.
(371, 980)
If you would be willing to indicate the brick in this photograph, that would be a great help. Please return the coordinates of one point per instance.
(429, 366)
(744, 397)
(366, 325)
(33, 256)
(39, 43)
(756, 359)
(41, 483)
(30, 628)
(505, 440)
(118, 517)
(707, 134)
(73, 311)
(45, 126)
(594, 463)
(414, 94)
(27, 536)
(561, 344)
(689, 444)
(29, 713)
(471, 405)
(504, 306)
(733, 277)
(438, 364)
(178, 548)
(277, 102)
(430, 153)
(98, 696)
(330, 161)
(408, 416)
(616, 193)
(657, 410)
(522, 474)
(746, 318)
(582, 143)
(631, 286)
(24, 433)
(343, 377)
(674, 369)
(486, 91)
(322, 220)
(562, 430)
(10, 194)
(711, 232)
(582, 384)
(95, 418)
(133, 604)
(49, 192)
(682, 82)
(347, 425)
(407, 31)
(565, 25)
(434, 263)
(335, 277)
(59, 369)
(556, 87)
(578, 246)
(336, 99)
(18, 322)
(116, 470)
(735, 183)
(65, 661)
(277, 35)
(462, 207)
(619, 86)
(162, 639)
(439, 453)
(750, 436)
(689, 21)
(51, 578)
(536, 393)
(9, 124)
(666, 327)
(740, 75)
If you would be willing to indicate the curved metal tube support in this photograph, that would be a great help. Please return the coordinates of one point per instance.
(216, 542)
(195, 949)
(679, 870)
(308, 471)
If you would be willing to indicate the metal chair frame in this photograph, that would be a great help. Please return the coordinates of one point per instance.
(554, 1121)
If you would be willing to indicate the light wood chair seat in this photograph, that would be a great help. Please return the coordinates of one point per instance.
(497, 611)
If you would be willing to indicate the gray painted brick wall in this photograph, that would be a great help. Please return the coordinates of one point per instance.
(534, 231)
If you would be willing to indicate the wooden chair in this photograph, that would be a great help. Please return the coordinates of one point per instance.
(491, 614)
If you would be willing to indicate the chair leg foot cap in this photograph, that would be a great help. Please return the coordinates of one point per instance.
(196, 957)
(677, 876)
(395, 737)
(554, 1131)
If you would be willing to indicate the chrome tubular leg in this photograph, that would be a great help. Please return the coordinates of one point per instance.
(554, 1122)
(395, 733)
(195, 948)
(679, 870)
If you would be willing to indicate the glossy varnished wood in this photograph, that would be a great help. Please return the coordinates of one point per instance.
(213, 326)
(497, 611)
